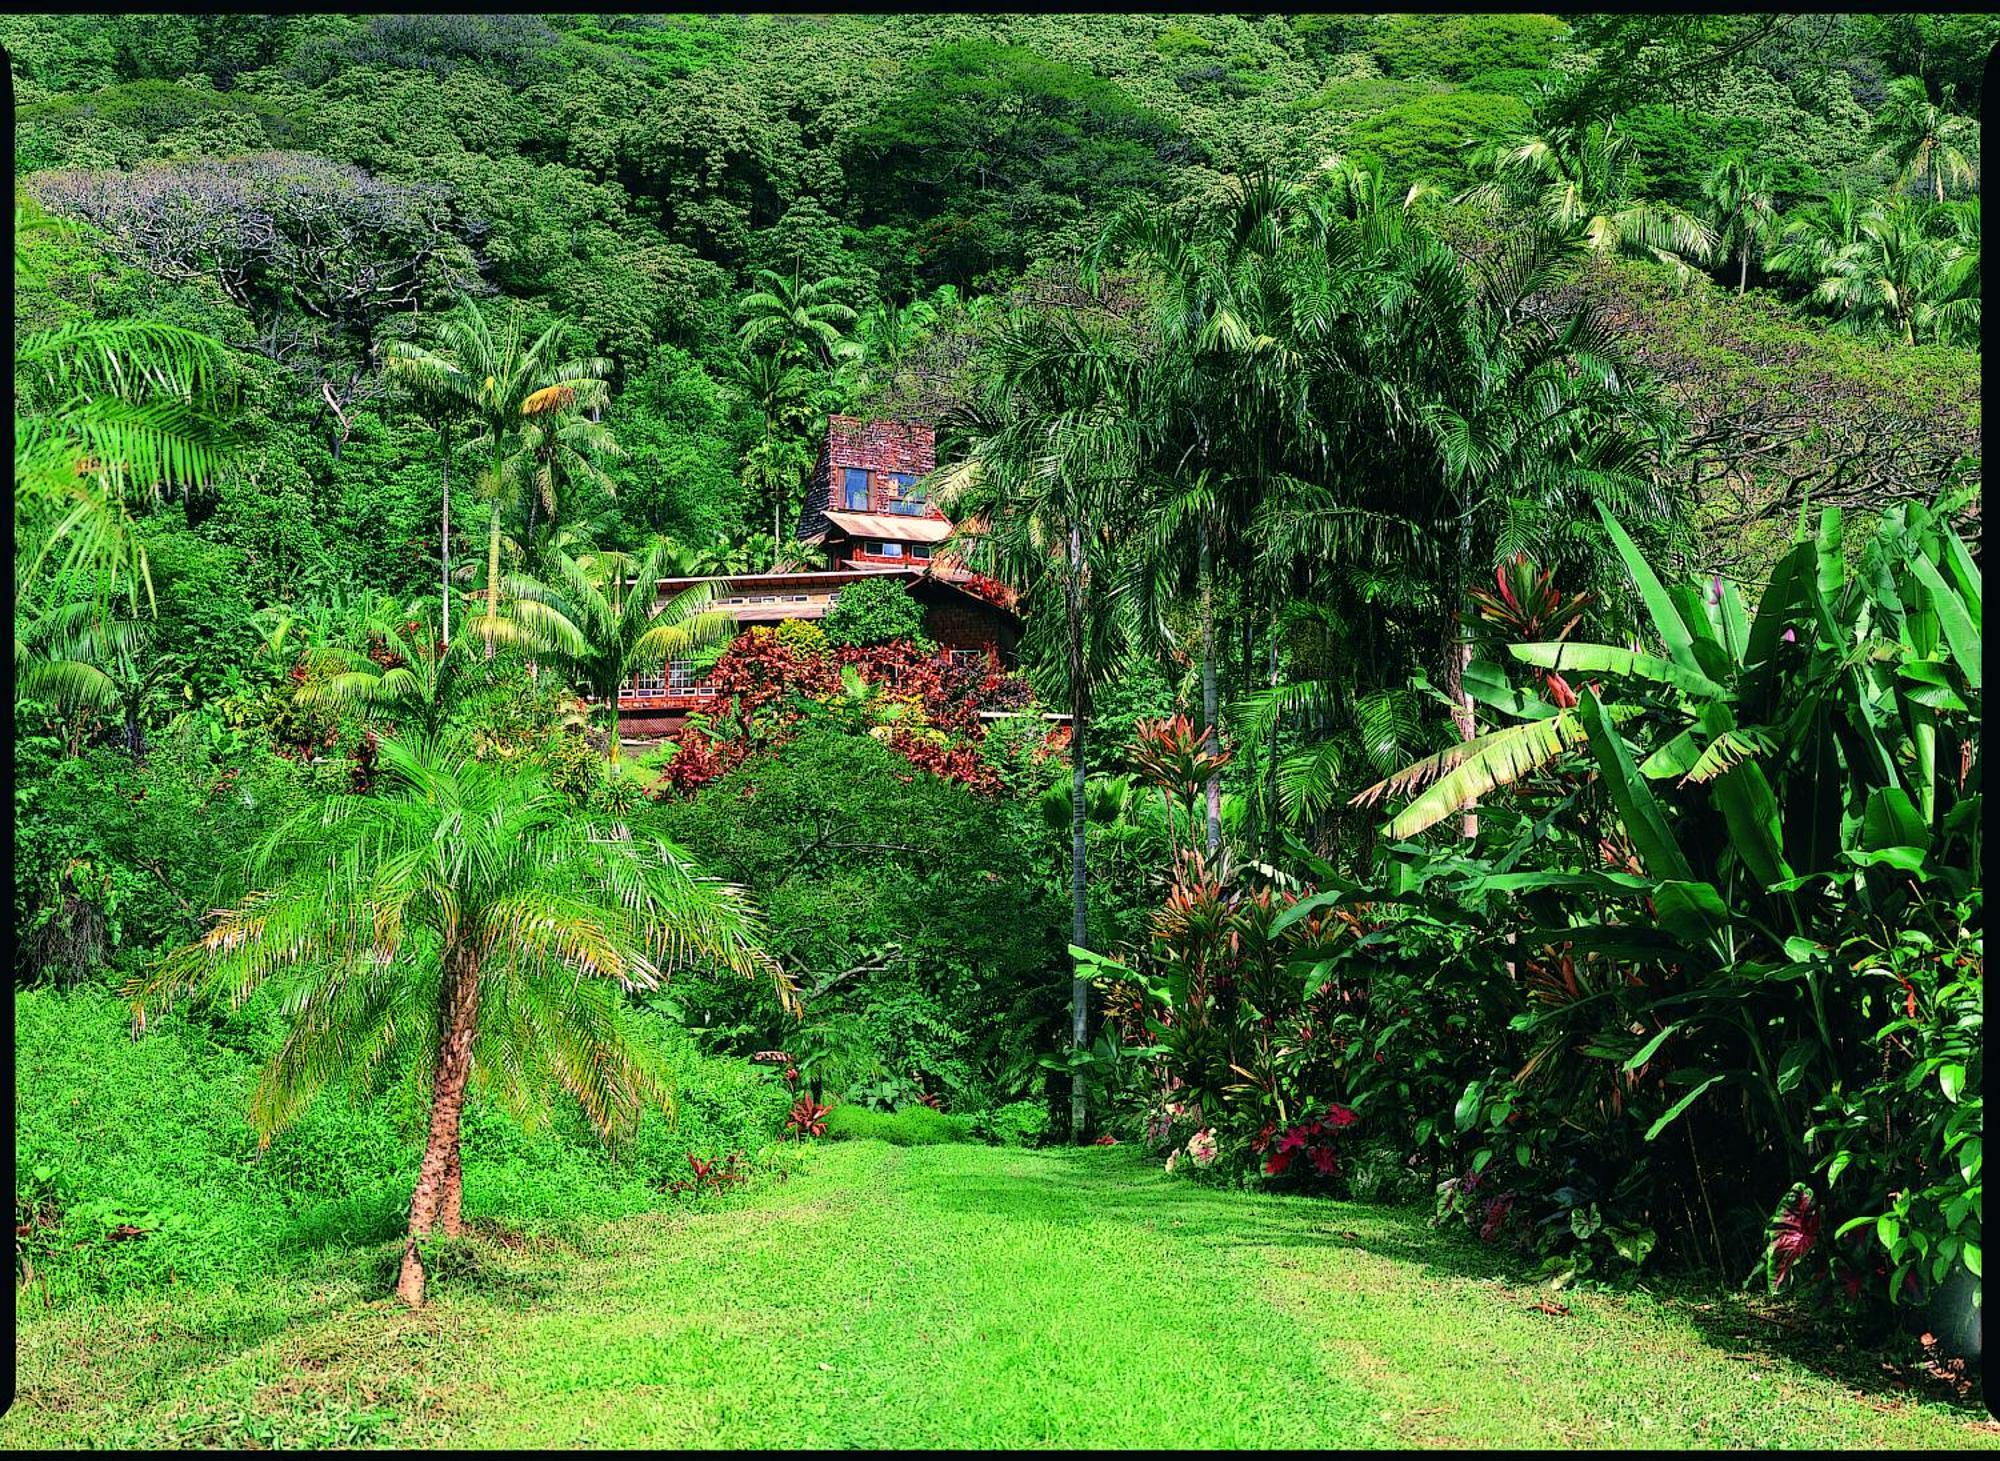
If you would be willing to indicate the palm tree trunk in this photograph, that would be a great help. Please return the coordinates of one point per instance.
(613, 698)
(1079, 987)
(1743, 269)
(1458, 655)
(444, 546)
(451, 1205)
(493, 575)
(1208, 707)
(457, 1020)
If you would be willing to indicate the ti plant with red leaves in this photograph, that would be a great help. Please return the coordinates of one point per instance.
(1525, 607)
(807, 1118)
(1173, 757)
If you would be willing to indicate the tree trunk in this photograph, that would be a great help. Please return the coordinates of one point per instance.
(1458, 656)
(614, 722)
(135, 738)
(451, 1204)
(459, 1001)
(444, 546)
(1743, 269)
(492, 575)
(1212, 740)
(1079, 987)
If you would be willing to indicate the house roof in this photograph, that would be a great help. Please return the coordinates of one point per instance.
(894, 526)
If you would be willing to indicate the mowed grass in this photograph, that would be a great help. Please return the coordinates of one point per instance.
(948, 1296)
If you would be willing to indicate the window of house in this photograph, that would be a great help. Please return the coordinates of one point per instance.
(854, 487)
(903, 496)
(920, 550)
(649, 682)
(884, 550)
(680, 676)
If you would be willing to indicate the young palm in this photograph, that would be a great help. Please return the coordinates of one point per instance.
(1741, 212)
(1909, 276)
(1817, 234)
(467, 917)
(429, 680)
(604, 611)
(1046, 499)
(1926, 140)
(79, 658)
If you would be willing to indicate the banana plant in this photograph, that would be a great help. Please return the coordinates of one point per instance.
(1774, 775)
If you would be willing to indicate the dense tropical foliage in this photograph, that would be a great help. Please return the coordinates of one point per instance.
(1492, 505)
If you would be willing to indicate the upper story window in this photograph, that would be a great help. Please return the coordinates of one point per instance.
(903, 497)
(920, 550)
(885, 550)
(854, 488)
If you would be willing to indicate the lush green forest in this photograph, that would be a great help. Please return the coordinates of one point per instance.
(1494, 507)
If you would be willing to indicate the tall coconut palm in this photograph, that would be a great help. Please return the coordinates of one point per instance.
(444, 394)
(1046, 499)
(1737, 196)
(466, 917)
(798, 321)
(1926, 140)
(604, 609)
(520, 397)
(1583, 180)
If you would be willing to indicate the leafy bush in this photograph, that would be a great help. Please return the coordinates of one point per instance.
(911, 1126)
(876, 611)
(1018, 1123)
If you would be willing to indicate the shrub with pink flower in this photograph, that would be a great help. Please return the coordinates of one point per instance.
(1201, 1147)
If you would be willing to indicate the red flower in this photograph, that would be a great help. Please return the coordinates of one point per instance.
(1795, 1233)
(1277, 1163)
(1292, 1140)
(1322, 1160)
(1338, 1116)
(1263, 1137)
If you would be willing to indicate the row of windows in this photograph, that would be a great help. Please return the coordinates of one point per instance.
(879, 549)
(902, 498)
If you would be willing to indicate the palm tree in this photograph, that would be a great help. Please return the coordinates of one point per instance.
(1923, 139)
(469, 916)
(1210, 391)
(603, 610)
(1584, 182)
(1909, 275)
(444, 394)
(1741, 212)
(78, 658)
(800, 323)
(520, 398)
(1045, 500)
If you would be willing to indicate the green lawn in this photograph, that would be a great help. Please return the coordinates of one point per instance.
(949, 1296)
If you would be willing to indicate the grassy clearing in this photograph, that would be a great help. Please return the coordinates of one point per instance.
(946, 1296)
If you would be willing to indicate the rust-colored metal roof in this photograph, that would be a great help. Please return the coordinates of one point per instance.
(893, 526)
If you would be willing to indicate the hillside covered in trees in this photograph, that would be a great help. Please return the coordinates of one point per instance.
(1491, 509)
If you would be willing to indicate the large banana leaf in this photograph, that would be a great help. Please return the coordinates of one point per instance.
(1474, 769)
(1960, 631)
(1611, 660)
(1667, 621)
